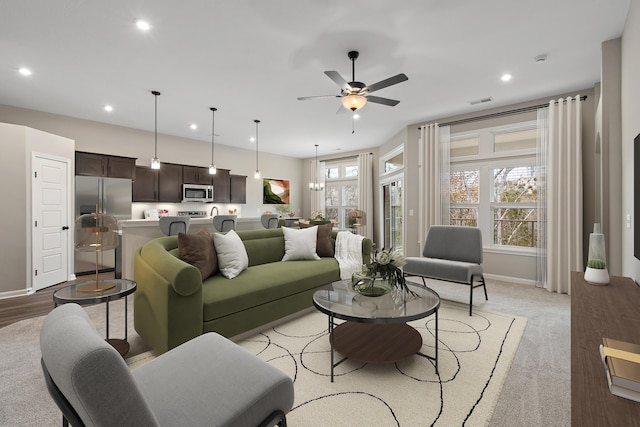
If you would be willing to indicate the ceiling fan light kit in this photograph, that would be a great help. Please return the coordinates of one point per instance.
(354, 94)
(353, 102)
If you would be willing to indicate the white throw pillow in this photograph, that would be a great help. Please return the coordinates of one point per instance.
(232, 256)
(300, 244)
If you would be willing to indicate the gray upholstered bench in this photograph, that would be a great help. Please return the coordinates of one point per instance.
(207, 381)
(453, 254)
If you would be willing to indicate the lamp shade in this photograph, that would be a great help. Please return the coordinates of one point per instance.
(96, 232)
(353, 102)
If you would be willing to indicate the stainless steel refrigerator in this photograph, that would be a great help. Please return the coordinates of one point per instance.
(113, 197)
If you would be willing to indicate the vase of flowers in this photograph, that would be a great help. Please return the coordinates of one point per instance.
(382, 275)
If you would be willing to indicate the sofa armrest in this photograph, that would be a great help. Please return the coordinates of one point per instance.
(183, 277)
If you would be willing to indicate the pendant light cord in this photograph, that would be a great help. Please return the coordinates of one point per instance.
(257, 121)
(155, 148)
(213, 129)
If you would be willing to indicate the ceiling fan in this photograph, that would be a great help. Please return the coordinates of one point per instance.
(354, 94)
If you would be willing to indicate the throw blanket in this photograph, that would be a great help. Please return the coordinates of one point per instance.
(348, 253)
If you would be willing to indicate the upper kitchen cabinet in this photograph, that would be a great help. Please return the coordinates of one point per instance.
(145, 187)
(170, 183)
(196, 175)
(221, 186)
(93, 164)
(238, 186)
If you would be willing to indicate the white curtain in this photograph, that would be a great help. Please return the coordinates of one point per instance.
(316, 174)
(541, 159)
(433, 183)
(563, 193)
(365, 192)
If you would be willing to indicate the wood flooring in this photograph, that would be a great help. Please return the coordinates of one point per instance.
(37, 304)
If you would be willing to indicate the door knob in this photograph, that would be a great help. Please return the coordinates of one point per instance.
(65, 227)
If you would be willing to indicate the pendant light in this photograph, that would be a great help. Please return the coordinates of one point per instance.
(256, 175)
(315, 185)
(212, 166)
(155, 162)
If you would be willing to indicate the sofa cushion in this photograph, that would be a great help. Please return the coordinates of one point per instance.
(198, 250)
(324, 246)
(300, 243)
(264, 283)
(232, 256)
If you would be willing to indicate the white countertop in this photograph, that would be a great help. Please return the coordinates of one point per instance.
(154, 222)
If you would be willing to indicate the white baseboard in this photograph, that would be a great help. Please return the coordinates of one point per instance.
(18, 293)
(518, 280)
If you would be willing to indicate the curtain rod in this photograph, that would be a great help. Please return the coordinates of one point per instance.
(498, 114)
(340, 158)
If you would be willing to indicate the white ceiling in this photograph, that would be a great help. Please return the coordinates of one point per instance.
(252, 58)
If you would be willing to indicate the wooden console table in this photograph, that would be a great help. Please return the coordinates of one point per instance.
(611, 311)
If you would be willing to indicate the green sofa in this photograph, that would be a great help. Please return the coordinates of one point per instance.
(172, 304)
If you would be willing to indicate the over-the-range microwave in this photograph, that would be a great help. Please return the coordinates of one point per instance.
(197, 193)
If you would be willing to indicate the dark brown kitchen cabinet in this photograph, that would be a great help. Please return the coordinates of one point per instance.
(94, 164)
(221, 186)
(170, 183)
(121, 167)
(145, 187)
(238, 186)
(196, 175)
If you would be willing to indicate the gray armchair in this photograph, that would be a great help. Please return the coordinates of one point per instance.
(270, 220)
(172, 225)
(451, 253)
(224, 222)
(208, 381)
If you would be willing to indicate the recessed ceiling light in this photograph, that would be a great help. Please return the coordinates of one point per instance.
(143, 25)
(193, 126)
(108, 108)
(505, 77)
(356, 116)
(252, 139)
(24, 71)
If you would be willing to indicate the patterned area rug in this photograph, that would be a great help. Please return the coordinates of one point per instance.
(474, 358)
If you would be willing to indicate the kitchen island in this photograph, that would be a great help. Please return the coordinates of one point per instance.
(137, 232)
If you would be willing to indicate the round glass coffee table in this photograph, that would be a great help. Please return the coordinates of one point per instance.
(376, 329)
(122, 288)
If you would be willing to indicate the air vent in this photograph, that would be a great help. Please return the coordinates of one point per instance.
(481, 101)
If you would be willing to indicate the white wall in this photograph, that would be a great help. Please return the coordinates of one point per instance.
(630, 89)
(18, 143)
(117, 140)
(521, 268)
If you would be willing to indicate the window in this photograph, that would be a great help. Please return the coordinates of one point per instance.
(463, 190)
(493, 184)
(341, 190)
(513, 206)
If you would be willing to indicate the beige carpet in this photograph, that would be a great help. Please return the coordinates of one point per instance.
(475, 355)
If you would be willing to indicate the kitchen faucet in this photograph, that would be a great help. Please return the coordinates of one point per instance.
(211, 213)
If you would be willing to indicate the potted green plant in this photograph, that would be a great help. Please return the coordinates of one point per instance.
(596, 272)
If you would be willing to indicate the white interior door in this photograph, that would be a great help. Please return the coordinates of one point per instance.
(50, 244)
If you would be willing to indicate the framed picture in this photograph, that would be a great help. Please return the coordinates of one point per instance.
(275, 191)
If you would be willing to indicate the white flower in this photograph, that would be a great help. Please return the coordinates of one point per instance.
(383, 258)
(397, 259)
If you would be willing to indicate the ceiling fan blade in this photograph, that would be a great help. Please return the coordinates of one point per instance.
(337, 78)
(398, 78)
(304, 98)
(384, 101)
(342, 110)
